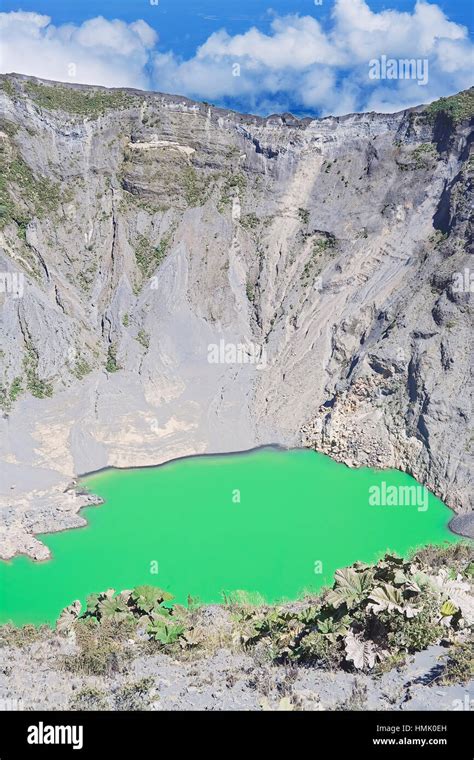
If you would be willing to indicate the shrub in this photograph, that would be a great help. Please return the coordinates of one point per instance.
(101, 652)
(111, 364)
(122, 613)
(144, 339)
(459, 665)
(88, 699)
(303, 214)
(23, 636)
(457, 107)
(371, 614)
(135, 696)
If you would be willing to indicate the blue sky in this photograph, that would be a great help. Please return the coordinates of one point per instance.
(306, 57)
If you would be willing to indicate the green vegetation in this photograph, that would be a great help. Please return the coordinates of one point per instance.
(149, 257)
(144, 608)
(324, 244)
(91, 102)
(85, 277)
(101, 649)
(249, 221)
(457, 107)
(81, 368)
(372, 618)
(459, 664)
(8, 127)
(109, 620)
(111, 364)
(421, 157)
(89, 699)
(303, 214)
(250, 291)
(437, 238)
(15, 389)
(371, 614)
(7, 86)
(194, 187)
(126, 320)
(144, 339)
(34, 384)
(24, 636)
(235, 184)
(8, 396)
(22, 195)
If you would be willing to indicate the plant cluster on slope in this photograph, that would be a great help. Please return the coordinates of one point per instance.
(372, 618)
(23, 195)
(148, 256)
(458, 107)
(143, 607)
(371, 614)
(87, 102)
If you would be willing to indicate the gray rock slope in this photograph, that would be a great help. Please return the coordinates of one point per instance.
(138, 230)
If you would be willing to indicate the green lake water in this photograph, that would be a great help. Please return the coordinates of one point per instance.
(300, 517)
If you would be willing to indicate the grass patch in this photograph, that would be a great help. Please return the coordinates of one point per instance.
(135, 696)
(421, 157)
(38, 387)
(89, 699)
(24, 636)
(149, 257)
(459, 664)
(458, 107)
(92, 103)
(195, 188)
(234, 184)
(7, 86)
(101, 650)
(81, 369)
(8, 127)
(22, 195)
(249, 221)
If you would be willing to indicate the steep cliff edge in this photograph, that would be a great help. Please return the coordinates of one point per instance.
(138, 230)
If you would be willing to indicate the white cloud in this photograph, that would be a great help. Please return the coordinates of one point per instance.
(298, 65)
(305, 66)
(110, 53)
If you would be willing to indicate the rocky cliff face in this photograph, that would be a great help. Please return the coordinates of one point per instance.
(179, 279)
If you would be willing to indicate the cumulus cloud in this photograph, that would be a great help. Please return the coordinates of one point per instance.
(307, 67)
(110, 53)
(299, 65)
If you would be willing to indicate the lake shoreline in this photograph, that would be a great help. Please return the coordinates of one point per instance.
(459, 525)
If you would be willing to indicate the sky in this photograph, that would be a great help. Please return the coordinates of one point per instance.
(309, 57)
